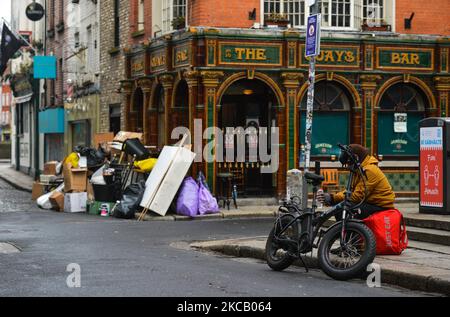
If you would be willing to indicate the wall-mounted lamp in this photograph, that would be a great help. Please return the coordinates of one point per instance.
(248, 92)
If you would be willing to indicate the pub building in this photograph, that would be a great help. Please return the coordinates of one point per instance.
(369, 90)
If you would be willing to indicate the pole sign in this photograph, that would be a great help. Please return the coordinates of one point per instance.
(431, 167)
(44, 67)
(35, 11)
(313, 35)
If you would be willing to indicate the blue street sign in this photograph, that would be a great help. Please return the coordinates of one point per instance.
(44, 67)
(313, 35)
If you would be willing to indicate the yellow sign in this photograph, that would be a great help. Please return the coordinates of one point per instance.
(334, 56)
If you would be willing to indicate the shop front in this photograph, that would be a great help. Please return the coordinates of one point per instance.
(368, 92)
(82, 121)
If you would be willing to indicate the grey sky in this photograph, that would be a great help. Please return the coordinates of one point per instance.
(5, 9)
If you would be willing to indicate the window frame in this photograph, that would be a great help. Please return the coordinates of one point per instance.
(167, 14)
(356, 16)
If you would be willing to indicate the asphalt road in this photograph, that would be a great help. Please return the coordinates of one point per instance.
(127, 258)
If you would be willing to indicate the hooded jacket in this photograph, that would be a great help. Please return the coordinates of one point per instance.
(379, 191)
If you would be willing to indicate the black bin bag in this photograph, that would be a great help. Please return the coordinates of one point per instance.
(131, 199)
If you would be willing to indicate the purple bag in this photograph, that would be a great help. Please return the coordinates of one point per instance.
(187, 202)
(207, 204)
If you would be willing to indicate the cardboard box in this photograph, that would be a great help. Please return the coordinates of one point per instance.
(45, 179)
(37, 191)
(57, 201)
(75, 202)
(50, 168)
(90, 192)
(103, 138)
(122, 136)
(75, 179)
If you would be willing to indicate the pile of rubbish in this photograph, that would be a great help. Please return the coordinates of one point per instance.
(122, 177)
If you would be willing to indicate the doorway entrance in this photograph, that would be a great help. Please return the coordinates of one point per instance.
(248, 103)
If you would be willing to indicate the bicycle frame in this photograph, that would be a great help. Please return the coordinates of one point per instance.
(314, 222)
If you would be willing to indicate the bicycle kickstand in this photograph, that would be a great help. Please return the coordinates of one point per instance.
(303, 262)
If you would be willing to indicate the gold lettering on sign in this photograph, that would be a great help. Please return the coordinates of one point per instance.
(331, 56)
(405, 58)
(258, 54)
(182, 56)
(158, 61)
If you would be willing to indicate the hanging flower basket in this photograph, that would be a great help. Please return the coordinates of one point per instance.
(277, 19)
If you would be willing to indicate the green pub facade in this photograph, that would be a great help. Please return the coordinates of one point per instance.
(371, 91)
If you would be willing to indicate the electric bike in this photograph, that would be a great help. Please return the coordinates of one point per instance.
(344, 250)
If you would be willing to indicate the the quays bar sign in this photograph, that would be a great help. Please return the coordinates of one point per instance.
(342, 56)
(137, 65)
(405, 58)
(158, 60)
(261, 54)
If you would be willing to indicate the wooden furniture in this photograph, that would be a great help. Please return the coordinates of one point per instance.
(331, 182)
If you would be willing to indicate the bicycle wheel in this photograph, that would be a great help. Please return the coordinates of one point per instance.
(350, 261)
(281, 245)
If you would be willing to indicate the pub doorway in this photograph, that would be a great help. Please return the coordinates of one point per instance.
(248, 103)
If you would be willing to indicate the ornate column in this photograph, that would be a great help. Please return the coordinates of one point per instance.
(167, 83)
(211, 80)
(442, 85)
(192, 79)
(369, 85)
(146, 86)
(127, 89)
(291, 82)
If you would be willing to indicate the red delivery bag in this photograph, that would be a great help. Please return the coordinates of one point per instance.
(390, 231)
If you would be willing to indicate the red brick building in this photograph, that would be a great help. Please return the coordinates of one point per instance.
(232, 62)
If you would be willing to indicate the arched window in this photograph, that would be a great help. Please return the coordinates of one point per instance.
(401, 108)
(332, 105)
(181, 106)
(137, 114)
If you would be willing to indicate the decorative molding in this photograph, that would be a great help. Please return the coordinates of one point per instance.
(191, 77)
(127, 86)
(166, 81)
(370, 82)
(442, 83)
(211, 78)
(145, 84)
(292, 80)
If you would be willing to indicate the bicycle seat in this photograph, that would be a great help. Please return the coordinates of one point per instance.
(314, 178)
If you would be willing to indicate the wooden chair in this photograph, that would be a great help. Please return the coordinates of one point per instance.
(331, 182)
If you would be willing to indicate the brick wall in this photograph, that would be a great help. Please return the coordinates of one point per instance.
(57, 45)
(111, 63)
(133, 21)
(219, 13)
(431, 17)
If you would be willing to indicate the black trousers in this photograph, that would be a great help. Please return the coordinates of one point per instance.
(366, 211)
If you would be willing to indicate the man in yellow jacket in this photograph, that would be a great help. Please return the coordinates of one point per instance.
(377, 190)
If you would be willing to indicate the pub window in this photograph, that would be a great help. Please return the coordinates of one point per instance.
(373, 11)
(336, 14)
(332, 105)
(171, 10)
(140, 22)
(401, 108)
(293, 9)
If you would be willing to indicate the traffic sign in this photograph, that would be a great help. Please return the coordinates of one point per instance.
(313, 35)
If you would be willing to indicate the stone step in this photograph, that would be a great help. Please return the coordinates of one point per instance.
(437, 222)
(441, 237)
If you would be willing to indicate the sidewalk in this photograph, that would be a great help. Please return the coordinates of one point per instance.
(16, 179)
(424, 267)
